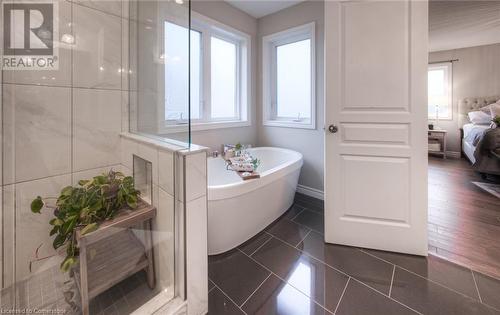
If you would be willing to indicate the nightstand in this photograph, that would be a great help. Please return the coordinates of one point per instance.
(437, 142)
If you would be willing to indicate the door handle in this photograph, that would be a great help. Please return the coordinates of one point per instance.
(333, 128)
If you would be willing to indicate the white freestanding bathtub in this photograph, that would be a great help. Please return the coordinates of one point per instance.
(237, 209)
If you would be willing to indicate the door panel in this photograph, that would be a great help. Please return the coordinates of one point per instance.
(371, 48)
(376, 164)
(384, 171)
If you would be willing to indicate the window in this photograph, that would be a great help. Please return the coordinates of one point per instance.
(176, 72)
(219, 75)
(224, 79)
(439, 89)
(288, 84)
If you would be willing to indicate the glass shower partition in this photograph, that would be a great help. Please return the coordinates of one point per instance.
(99, 70)
(160, 68)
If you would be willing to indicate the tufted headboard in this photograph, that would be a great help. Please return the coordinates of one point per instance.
(470, 104)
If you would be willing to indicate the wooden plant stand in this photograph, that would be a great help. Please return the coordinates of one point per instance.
(113, 253)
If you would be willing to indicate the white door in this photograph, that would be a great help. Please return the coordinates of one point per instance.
(376, 163)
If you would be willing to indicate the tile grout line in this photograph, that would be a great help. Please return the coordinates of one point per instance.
(216, 286)
(66, 86)
(97, 9)
(392, 299)
(434, 254)
(213, 287)
(283, 241)
(284, 281)
(340, 271)
(310, 228)
(248, 298)
(307, 234)
(342, 295)
(262, 245)
(477, 288)
(303, 209)
(430, 280)
(392, 279)
(62, 174)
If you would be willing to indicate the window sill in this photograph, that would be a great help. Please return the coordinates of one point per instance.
(440, 119)
(289, 124)
(205, 126)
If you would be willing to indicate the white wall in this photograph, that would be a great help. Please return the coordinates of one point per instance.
(308, 142)
(477, 73)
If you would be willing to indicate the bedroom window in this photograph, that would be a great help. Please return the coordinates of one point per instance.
(439, 89)
(219, 76)
(289, 78)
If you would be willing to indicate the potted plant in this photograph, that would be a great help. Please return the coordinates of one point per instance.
(84, 207)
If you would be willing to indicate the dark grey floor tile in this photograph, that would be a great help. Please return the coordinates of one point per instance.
(288, 231)
(111, 310)
(254, 243)
(123, 307)
(489, 288)
(319, 208)
(210, 285)
(309, 199)
(370, 270)
(312, 220)
(275, 297)
(294, 210)
(318, 281)
(358, 299)
(236, 274)
(219, 304)
(444, 272)
(431, 298)
(311, 203)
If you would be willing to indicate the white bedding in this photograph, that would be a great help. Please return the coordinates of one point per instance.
(474, 132)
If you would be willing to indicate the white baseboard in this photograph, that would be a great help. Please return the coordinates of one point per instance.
(453, 154)
(311, 192)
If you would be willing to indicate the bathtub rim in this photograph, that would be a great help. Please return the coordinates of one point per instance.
(218, 192)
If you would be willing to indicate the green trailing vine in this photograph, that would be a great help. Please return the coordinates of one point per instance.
(496, 120)
(85, 207)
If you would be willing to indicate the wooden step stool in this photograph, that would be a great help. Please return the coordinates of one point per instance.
(113, 253)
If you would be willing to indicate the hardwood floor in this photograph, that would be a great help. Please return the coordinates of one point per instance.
(464, 221)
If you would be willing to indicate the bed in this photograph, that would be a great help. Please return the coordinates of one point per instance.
(473, 146)
(471, 135)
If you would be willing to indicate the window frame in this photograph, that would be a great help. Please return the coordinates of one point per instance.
(448, 66)
(269, 71)
(209, 28)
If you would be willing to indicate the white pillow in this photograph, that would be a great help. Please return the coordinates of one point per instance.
(479, 118)
(494, 110)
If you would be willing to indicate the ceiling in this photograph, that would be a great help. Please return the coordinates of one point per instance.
(459, 24)
(452, 24)
(260, 8)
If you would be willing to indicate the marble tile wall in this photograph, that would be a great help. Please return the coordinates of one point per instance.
(163, 200)
(61, 126)
(180, 196)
